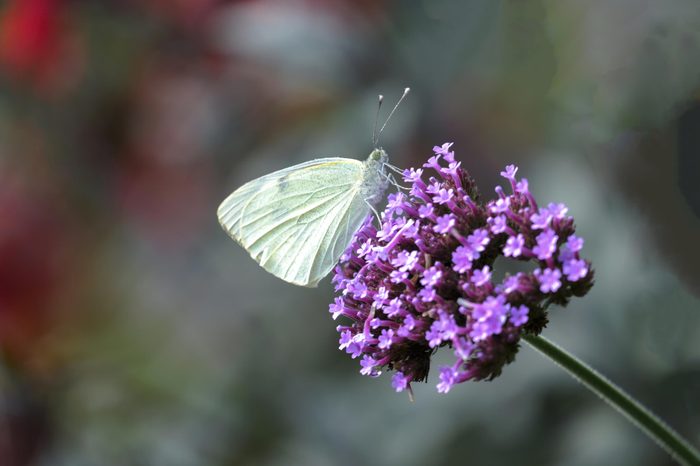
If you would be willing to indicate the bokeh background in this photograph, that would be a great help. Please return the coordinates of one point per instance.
(133, 331)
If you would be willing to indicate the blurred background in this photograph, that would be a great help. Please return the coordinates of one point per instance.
(133, 331)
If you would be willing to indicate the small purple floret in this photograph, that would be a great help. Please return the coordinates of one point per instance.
(443, 196)
(425, 211)
(511, 284)
(500, 206)
(549, 280)
(541, 219)
(444, 149)
(497, 224)
(574, 243)
(546, 244)
(400, 382)
(575, 269)
(481, 276)
(431, 277)
(479, 239)
(509, 172)
(557, 210)
(518, 315)
(447, 379)
(514, 246)
(385, 338)
(462, 259)
(368, 364)
(445, 223)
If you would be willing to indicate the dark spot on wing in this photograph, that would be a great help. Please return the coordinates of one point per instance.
(283, 183)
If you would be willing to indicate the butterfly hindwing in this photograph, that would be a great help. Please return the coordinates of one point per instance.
(297, 222)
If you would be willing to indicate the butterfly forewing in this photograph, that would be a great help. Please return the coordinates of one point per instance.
(297, 222)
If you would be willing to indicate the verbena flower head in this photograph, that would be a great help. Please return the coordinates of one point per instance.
(425, 278)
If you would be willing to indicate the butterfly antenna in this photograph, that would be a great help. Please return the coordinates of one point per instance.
(403, 96)
(375, 138)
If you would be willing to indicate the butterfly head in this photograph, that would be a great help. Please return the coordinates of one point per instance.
(378, 156)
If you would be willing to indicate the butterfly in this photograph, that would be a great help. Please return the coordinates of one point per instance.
(298, 221)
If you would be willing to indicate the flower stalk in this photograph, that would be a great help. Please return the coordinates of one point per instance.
(650, 424)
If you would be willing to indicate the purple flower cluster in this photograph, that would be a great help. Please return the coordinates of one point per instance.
(425, 278)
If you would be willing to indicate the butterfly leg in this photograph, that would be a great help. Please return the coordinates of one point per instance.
(396, 183)
(369, 204)
(390, 178)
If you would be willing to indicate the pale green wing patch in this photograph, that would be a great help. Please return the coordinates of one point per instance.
(297, 222)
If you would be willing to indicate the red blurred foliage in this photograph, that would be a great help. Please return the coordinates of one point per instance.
(34, 265)
(169, 205)
(163, 181)
(36, 45)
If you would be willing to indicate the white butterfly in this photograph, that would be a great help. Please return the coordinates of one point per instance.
(297, 222)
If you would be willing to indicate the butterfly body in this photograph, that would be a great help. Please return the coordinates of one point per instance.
(298, 221)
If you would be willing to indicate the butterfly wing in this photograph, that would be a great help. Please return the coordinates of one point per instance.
(297, 222)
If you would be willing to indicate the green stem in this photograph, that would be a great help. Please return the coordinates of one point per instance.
(659, 431)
